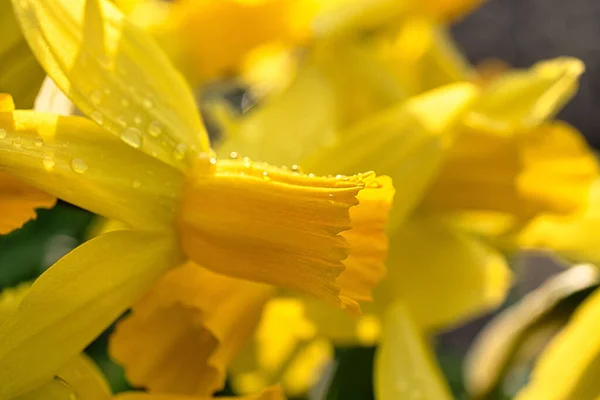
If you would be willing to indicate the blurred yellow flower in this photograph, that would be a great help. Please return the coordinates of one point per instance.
(214, 39)
(144, 159)
(454, 160)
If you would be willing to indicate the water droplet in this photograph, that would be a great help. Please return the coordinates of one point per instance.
(233, 155)
(17, 143)
(154, 129)
(2, 133)
(137, 120)
(296, 168)
(247, 162)
(95, 96)
(97, 117)
(311, 175)
(79, 166)
(38, 142)
(48, 162)
(125, 102)
(265, 175)
(180, 151)
(107, 92)
(136, 183)
(132, 136)
(338, 176)
(147, 103)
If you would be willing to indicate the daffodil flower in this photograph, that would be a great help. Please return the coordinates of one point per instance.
(506, 134)
(144, 159)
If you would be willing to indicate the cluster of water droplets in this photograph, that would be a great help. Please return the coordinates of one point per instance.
(133, 132)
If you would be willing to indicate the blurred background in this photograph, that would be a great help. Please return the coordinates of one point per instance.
(518, 32)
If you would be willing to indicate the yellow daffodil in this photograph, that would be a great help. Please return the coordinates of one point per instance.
(144, 159)
(497, 152)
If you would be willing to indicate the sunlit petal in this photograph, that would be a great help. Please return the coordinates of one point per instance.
(75, 300)
(79, 162)
(109, 68)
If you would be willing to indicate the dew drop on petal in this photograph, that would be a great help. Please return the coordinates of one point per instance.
(38, 142)
(132, 136)
(48, 162)
(136, 183)
(180, 151)
(2, 133)
(95, 96)
(233, 155)
(17, 143)
(154, 129)
(137, 120)
(78, 165)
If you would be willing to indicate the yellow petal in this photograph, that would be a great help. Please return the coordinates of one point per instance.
(75, 300)
(115, 74)
(406, 142)
(490, 356)
(364, 267)
(85, 379)
(569, 367)
(571, 236)
(18, 202)
(273, 393)
(422, 56)
(523, 99)
(276, 132)
(467, 276)
(549, 169)
(254, 221)
(181, 337)
(75, 160)
(10, 298)
(404, 365)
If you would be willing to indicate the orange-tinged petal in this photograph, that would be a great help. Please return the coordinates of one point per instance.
(18, 202)
(364, 267)
(75, 300)
(183, 334)
(550, 169)
(116, 74)
(273, 393)
(79, 162)
(267, 224)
